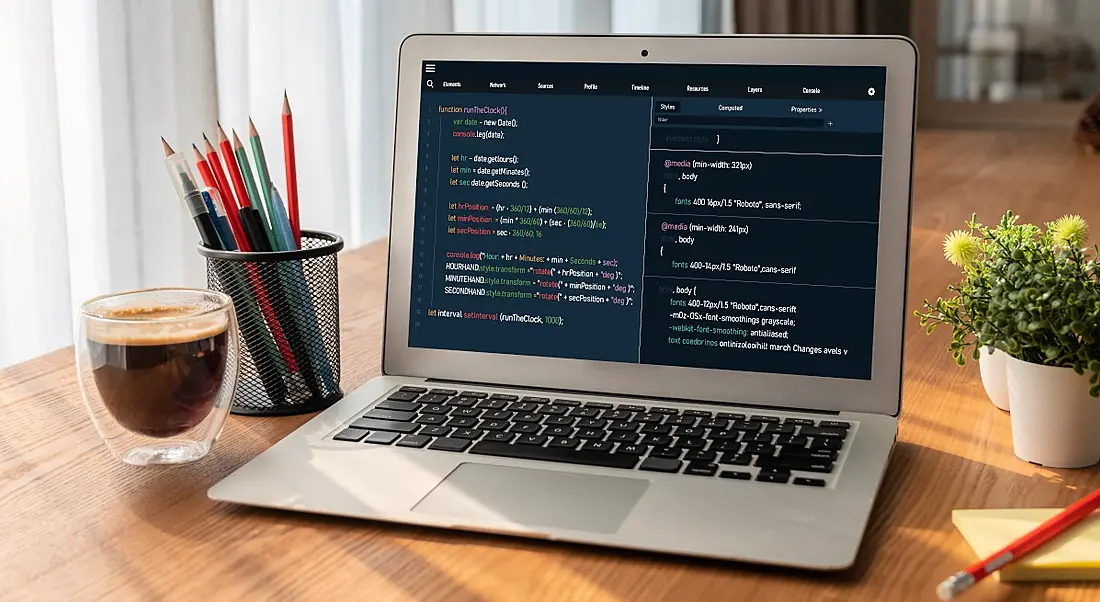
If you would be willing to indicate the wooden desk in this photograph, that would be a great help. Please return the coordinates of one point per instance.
(75, 524)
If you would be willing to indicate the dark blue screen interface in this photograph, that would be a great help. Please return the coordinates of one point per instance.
(707, 216)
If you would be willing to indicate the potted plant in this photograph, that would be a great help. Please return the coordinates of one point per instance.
(1041, 296)
(974, 250)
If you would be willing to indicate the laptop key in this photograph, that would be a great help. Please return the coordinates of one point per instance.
(763, 449)
(373, 424)
(553, 410)
(699, 413)
(498, 436)
(773, 476)
(590, 434)
(602, 446)
(665, 411)
(554, 454)
(726, 446)
(525, 428)
(497, 415)
(527, 417)
(411, 389)
(799, 421)
(715, 423)
(682, 421)
(585, 412)
(657, 440)
(523, 406)
(736, 459)
(779, 429)
(430, 419)
(719, 435)
(656, 429)
(462, 422)
(450, 444)
(351, 434)
(758, 438)
(836, 424)
(567, 442)
(432, 398)
(623, 425)
(559, 421)
(809, 482)
(649, 418)
(532, 399)
(559, 431)
(701, 469)
(622, 437)
(493, 425)
(477, 394)
(531, 439)
(492, 404)
(504, 397)
(462, 402)
(823, 455)
(626, 407)
(729, 416)
(390, 415)
(435, 431)
(414, 441)
(634, 449)
(701, 455)
(746, 425)
(793, 464)
(690, 431)
(401, 406)
(818, 431)
(403, 396)
(468, 412)
(735, 474)
(654, 464)
(791, 441)
(691, 442)
(830, 443)
(665, 452)
(467, 434)
(767, 419)
(575, 403)
(447, 392)
(592, 423)
(381, 438)
(434, 409)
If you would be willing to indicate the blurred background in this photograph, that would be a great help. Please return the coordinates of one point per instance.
(91, 85)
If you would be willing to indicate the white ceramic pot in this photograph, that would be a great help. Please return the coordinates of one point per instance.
(992, 367)
(1055, 422)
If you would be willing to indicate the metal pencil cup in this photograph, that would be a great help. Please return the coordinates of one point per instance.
(288, 313)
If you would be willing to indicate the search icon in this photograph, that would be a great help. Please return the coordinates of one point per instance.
(431, 84)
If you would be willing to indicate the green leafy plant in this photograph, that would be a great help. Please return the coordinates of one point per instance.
(1032, 293)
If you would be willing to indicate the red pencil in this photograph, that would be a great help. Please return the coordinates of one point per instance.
(291, 171)
(1055, 526)
(233, 169)
(211, 180)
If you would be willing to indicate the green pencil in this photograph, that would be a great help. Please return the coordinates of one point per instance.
(265, 187)
(253, 193)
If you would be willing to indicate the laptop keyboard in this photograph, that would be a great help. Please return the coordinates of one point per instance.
(728, 445)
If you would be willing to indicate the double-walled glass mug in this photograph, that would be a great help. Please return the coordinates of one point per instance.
(157, 369)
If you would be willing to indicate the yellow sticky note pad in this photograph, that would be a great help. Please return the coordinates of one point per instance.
(1072, 556)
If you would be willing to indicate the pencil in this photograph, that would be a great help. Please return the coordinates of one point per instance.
(231, 208)
(1024, 545)
(291, 172)
(253, 193)
(264, 184)
(230, 214)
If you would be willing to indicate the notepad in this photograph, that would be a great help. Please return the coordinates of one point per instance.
(1072, 556)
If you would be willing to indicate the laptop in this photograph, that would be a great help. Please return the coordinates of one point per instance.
(643, 292)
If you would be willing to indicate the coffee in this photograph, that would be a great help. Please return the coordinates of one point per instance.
(158, 371)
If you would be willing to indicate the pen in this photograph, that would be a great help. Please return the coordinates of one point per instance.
(190, 196)
(228, 214)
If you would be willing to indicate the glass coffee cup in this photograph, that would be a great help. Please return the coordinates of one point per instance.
(158, 368)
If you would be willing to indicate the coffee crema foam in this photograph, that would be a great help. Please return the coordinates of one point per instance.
(155, 325)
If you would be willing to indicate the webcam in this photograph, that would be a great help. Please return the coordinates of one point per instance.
(645, 52)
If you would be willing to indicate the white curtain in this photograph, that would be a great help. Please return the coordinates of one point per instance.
(86, 206)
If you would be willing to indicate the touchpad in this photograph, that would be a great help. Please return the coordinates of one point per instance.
(539, 498)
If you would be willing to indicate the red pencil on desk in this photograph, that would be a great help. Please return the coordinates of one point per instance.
(291, 171)
(1055, 526)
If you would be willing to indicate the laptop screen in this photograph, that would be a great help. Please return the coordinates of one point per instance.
(706, 216)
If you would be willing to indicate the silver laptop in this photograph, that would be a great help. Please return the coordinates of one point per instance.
(643, 292)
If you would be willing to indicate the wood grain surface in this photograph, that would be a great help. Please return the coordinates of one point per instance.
(78, 525)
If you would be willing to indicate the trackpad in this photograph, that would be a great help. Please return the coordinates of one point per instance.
(532, 497)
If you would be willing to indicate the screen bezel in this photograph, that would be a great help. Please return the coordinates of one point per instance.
(881, 394)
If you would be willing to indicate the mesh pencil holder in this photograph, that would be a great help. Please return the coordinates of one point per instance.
(288, 313)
